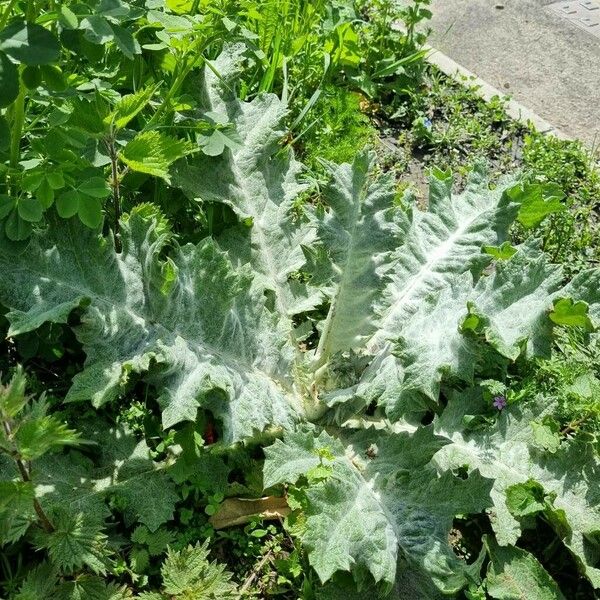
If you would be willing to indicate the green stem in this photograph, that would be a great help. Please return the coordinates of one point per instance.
(30, 14)
(173, 90)
(18, 121)
(26, 477)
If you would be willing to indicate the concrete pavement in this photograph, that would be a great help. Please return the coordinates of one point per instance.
(526, 49)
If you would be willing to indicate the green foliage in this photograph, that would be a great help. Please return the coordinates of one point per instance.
(514, 573)
(412, 305)
(61, 500)
(571, 237)
(188, 574)
(337, 128)
(152, 152)
(74, 544)
(430, 383)
(388, 59)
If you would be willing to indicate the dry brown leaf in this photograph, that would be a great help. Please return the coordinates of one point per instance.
(237, 511)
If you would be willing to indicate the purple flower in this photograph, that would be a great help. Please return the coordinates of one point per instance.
(499, 402)
(427, 124)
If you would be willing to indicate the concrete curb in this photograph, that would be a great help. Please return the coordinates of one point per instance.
(514, 109)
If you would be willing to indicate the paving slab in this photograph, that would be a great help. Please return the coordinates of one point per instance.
(543, 53)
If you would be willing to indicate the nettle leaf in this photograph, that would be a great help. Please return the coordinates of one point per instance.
(121, 468)
(89, 587)
(192, 322)
(189, 573)
(153, 152)
(16, 510)
(382, 500)
(74, 543)
(38, 432)
(259, 180)
(507, 455)
(129, 107)
(39, 584)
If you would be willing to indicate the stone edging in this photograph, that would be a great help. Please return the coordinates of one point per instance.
(514, 109)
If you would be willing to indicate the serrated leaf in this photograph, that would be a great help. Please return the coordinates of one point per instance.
(428, 284)
(214, 341)
(74, 543)
(504, 453)
(37, 435)
(258, 180)
(39, 584)
(286, 462)
(128, 107)
(16, 510)
(12, 395)
(122, 468)
(189, 572)
(156, 541)
(359, 232)
(89, 587)
(153, 152)
(364, 515)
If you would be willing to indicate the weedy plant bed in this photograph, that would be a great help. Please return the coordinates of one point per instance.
(406, 400)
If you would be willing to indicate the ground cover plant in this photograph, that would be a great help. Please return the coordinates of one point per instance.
(227, 376)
